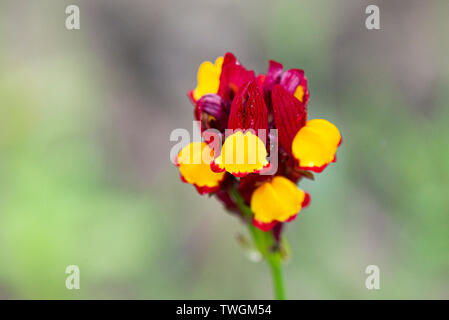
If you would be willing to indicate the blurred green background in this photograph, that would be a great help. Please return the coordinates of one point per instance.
(85, 175)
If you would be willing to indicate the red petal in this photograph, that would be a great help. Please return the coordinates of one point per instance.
(314, 169)
(306, 201)
(264, 226)
(290, 115)
(260, 79)
(215, 167)
(233, 77)
(274, 74)
(293, 78)
(205, 189)
(248, 110)
(191, 98)
(211, 111)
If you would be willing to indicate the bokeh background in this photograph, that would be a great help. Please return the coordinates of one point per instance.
(85, 175)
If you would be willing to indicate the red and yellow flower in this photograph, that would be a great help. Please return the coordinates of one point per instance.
(242, 107)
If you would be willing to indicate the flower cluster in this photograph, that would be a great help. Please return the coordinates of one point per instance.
(243, 108)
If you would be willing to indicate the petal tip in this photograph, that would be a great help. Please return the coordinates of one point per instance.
(264, 226)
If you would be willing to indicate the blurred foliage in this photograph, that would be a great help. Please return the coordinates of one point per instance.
(57, 206)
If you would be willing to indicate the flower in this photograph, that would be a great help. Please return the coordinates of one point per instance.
(242, 107)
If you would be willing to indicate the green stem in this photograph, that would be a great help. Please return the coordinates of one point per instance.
(266, 244)
(276, 271)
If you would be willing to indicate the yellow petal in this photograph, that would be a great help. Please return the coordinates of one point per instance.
(242, 154)
(299, 93)
(315, 144)
(277, 200)
(194, 165)
(208, 78)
